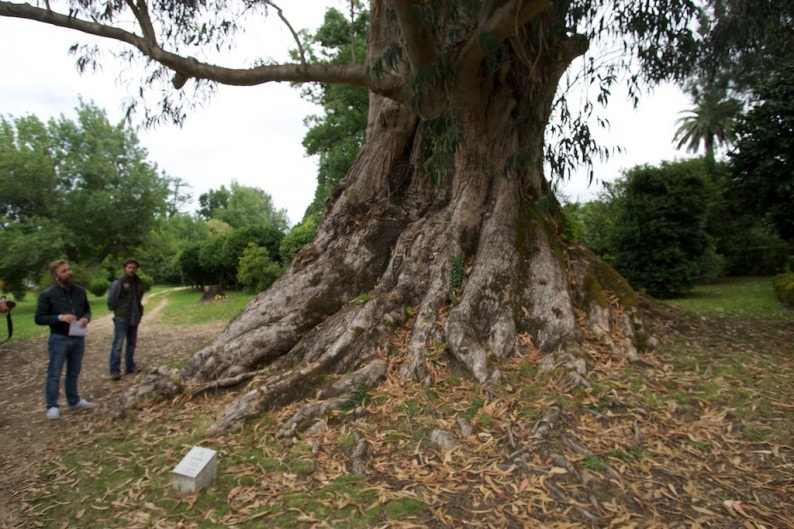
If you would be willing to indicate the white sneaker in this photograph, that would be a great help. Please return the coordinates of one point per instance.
(82, 404)
(53, 413)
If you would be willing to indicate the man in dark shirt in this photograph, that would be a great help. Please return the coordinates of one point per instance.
(64, 307)
(125, 300)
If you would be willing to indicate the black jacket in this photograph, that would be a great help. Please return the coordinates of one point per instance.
(56, 300)
(124, 299)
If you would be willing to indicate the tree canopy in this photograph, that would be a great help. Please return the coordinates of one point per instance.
(80, 189)
(241, 206)
(761, 163)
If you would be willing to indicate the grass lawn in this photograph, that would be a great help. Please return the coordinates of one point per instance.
(183, 309)
(733, 295)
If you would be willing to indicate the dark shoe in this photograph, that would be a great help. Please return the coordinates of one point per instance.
(132, 371)
(115, 376)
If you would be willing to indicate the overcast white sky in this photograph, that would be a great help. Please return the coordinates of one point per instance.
(253, 134)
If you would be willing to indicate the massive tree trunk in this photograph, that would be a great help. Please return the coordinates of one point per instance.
(404, 265)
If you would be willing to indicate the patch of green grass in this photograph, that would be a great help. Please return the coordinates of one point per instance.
(753, 433)
(184, 307)
(528, 369)
(700, 446)
(593, 463)
(404, 507)
(411, 407)
(360, 397)
(363, 298)
(529, 413)
(475, 403)
(732, 295)
(485, 420)
(634, 453)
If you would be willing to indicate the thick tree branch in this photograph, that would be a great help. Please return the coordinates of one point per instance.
(187, 67)
(503, 22)
(419, 44)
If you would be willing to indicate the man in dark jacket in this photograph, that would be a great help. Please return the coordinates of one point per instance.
(124, 299)
(64, 307)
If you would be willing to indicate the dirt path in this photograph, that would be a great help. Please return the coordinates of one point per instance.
(25, 433)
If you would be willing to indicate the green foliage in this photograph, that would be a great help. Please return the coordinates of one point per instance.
(242, 207)
(784, 288)
(362, 298)
(165, 242)
(99, 287)
(189, 262)
(712, 122)
(147, 281)
(297, 237)
(442, 136)
(660, 241)
(336, 136)
(216, 260)
(593, 223)
(746, 40)
(81, 189)
(256, 271)
(457, 265)
(762, 181)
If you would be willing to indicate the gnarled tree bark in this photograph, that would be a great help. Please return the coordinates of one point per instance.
(474, 261)
(444, 234)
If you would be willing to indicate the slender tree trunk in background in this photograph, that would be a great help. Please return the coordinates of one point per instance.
(402, 265)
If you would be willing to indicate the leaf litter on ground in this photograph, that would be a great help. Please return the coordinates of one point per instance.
(695, 434)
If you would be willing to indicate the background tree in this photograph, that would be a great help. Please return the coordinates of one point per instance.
(660, 241)
(256, 271)
(164, 243)
(595, 220)
(242, 206)
(761, 164)
(451, 178)
(711, 123)
(80, 189)
(745, 41)
(337, 135)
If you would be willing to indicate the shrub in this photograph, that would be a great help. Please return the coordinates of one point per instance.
(256, 271)
(300, 235)
(660, 242)
(784, 288)
(98, 287)
(147, 281)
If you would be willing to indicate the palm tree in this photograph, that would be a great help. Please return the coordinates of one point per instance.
(712, 122)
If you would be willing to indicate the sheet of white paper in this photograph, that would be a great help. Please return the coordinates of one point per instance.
(76, 330)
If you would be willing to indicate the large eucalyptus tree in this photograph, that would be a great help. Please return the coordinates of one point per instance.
(446, 220)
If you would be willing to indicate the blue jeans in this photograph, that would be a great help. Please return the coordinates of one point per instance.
(122, 331)
(68, 350)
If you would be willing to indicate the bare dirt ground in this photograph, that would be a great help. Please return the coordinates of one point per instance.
(26, 434)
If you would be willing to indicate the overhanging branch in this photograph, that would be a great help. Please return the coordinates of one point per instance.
(188, 67)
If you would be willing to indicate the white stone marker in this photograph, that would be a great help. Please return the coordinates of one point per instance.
(196, 470)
